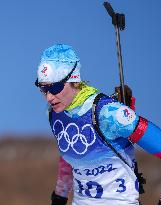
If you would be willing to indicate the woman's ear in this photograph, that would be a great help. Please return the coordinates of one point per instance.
(76, 85)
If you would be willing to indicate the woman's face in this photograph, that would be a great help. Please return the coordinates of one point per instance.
(63, 99)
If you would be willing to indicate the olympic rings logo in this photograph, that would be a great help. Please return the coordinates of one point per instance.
(71, 141)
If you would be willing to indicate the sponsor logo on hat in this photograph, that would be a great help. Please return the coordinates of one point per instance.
(44, 70)
(75, 76)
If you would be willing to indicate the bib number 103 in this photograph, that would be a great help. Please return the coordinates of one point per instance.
(95, 190)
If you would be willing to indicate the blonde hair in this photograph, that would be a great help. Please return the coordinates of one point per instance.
(79, 85)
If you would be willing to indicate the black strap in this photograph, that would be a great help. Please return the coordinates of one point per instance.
(50, 115)
(139, 176)
(97, 128)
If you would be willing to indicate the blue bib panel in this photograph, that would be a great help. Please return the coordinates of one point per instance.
(78, 141)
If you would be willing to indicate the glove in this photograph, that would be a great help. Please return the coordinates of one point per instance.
(58, 200)
(128, 95)
(159, 203)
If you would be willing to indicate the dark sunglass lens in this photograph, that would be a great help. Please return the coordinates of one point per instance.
(56, 88)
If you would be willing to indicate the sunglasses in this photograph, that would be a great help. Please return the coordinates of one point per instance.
(57, 87)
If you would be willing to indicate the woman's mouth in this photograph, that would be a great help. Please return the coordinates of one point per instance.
(54, 104)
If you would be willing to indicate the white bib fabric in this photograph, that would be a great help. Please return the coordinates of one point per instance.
(110, 183)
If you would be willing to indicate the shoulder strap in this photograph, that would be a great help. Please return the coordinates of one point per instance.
(97, 128)
(95, 123)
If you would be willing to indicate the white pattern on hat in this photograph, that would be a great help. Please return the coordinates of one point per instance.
(57, 62)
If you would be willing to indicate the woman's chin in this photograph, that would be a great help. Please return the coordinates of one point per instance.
(58, 108)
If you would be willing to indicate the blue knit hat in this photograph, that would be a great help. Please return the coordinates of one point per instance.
(57, 62)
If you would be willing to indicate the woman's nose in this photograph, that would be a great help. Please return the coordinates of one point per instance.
(49, 97)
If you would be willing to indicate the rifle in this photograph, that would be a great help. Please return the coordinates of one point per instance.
(118, 20)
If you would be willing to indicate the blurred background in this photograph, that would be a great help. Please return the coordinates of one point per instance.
(28, 155)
